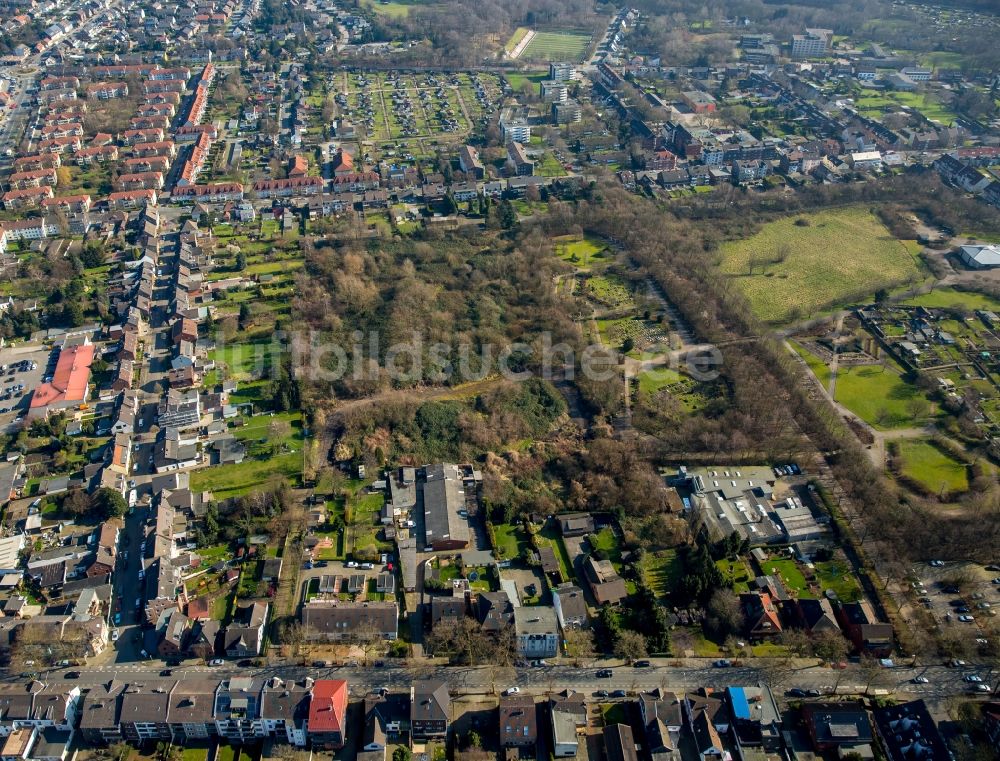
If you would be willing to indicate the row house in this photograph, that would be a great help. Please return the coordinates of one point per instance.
(37, 161)
(198, 105)
(75, 108)
(167, 85)
(20, 199)
(57, 96)
(97, 154)
(131, 199)
(172, 98)
(62, 130)
(294, 186)
(122, 70)
(155, 148)
(156, 109)
(190, 132)
(59, 83)
(181, 73)
(68, 116)
(37, 705)
(35, 228)
(35, 178)
(70, 143)
(212, 192)
(140, 181)
(135, 136)
(107, 90)
(76, 204)
(147, 164)
(149, 122)
(356, 182)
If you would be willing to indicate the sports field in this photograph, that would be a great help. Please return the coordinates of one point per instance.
(556, 46)
(799, 265)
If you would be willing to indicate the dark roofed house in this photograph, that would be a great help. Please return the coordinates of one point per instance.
(619, 743)
(862, 627)
(576, 524)
(448, 609)
(840, 727)
(430, 709)
(817, 616)
(333, 620)
(608, 587)
(908, 733)
(518, 725)
(570, 605)
(245, 636)
(494, 611)
(662, 720)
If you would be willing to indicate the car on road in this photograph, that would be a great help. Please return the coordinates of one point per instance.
(604, 674)
(512, 691)
(937, 564)
(166, 672)
(619, 694)
(601, 694)
(921, 680)
(981, 688)
(956, 663)
(973, 678)
(722, 663)
(216, 662)
(641, 664)
(71, 675)
(796, 692)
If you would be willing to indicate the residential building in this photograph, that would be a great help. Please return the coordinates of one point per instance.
(444, 494)
(327, 724)
(862, 627)
(245, 636)
(537, 631)
(430, 709)
(605, 583)
(568, 714)
(523, 166)
(662, 719)
(514, 126)
(841, 727)
(812, 44)
(619, 743)
(334, 620)
(570, 606)
(518, 724)
(69, 384)
(907, 732)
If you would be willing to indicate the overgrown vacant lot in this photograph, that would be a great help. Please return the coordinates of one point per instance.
(926, 463)
(799, 265)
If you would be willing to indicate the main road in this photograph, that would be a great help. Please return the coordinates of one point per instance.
(942, 683)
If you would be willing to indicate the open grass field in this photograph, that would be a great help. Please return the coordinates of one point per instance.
(879, 396)
(949, 298)
(557, 46)
(518, 80)
(788, 271)
(924, 462)
(651, 381)
(393, 9)
(874, 103)
(581, 252)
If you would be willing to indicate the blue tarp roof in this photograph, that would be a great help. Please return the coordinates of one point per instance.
(738, 699)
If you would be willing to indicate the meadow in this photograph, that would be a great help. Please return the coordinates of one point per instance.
(927, 464)
(799, 265)
(879, 396)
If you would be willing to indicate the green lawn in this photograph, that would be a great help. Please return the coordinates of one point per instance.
(788, 571)
(840, 577)
(924, 462)
(551, 535)
(549, 166)
(737, 573)
(226, 481)
(660, 571)
(818, 366)
(517, 80)
(556, 46)
(510, 540)
(789, 271)
(874, 103)
(651, 381)
(879, 396)
(194, 754)
(394, 9)
(580, 252)
(950, 298)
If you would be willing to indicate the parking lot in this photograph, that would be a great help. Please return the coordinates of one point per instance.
(15, 403)
(963, 600)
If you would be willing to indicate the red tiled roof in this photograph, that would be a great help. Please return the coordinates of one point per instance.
(327, 710)
(69, 381)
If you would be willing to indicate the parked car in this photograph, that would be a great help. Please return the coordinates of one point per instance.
(966, 619)
(512, 691)
(921, 680)
(973, 678)
(641, 664)
(619, 694)
(216, 662)
(722, 663)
